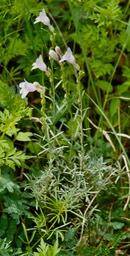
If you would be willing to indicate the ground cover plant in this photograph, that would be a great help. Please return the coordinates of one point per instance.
(64, 128)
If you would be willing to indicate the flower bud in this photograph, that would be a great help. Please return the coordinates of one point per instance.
(54, 55)
(58, 51)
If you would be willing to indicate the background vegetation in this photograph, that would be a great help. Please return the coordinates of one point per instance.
(64, 153)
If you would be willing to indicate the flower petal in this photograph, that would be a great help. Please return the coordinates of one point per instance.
(26, 87)
(39, 63)
(43, 18)
(68, 56)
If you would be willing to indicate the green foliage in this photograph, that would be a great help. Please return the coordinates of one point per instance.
(9, 156)
(9, 119)
(47, 250)
(14, 204)
(6, 249)
(68, 244)
(102, 33)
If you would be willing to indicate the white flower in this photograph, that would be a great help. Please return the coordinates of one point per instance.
(58, 51)
(39, 63)
(43, 18)
(27, 87)
(54, 55)
(68, 56)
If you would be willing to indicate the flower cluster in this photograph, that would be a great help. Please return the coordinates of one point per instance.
(68, 56)
(26, 87)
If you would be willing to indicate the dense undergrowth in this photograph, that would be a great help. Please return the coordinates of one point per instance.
(64, 128)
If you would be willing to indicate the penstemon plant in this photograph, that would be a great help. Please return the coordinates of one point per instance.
(63, 193)
(71, 178)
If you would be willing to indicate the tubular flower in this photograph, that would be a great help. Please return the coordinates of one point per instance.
(39, 63)
(68, 56)
(44, 19)
(54, 55)
(27, 87)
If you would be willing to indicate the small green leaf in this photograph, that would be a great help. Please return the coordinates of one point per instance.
(117, 225)
(10, 163)
(123, 87)
(4, 145)
(25, 233)
(114, 105)
(10, 186)
(24, 136)
(104, 85)
(128, 31)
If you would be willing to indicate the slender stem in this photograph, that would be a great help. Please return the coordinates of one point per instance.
(112, 128)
